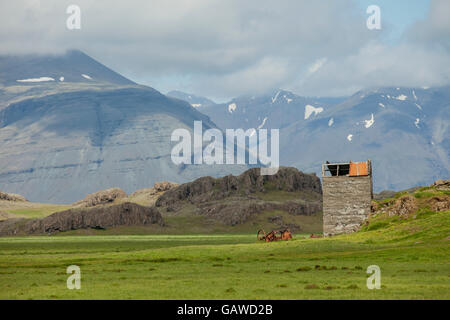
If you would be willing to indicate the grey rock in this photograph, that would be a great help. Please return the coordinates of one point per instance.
(11, 197)
(126, 214)
(207, 188)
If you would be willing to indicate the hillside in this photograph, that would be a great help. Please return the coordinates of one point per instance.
(419, 214)
(64, 135)
(404, 131)
(236, 204)
(194, 100)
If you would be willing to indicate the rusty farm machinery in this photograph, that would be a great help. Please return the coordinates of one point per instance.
(274, 235)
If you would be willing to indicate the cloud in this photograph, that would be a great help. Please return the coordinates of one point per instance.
(317, 65)
(435, 29)
(228, 48)
(378, 65)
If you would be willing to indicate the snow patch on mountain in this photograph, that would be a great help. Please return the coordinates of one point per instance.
(263, 123)
(86, 76)
(330, 122)
(259, 127)
(232, 107)
(401, 97)
(41, 79)
(287, 99)
(418, 106)
(416, 123)
(61, 79)
(350, 137)
(382, 105)
(196, 105)
(276, 97)
(309, 109)
(369, 123)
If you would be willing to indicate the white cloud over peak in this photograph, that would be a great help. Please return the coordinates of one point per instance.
(228, 48)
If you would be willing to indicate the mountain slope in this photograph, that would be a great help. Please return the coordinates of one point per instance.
(73, 66)
(62, 140)
(275, 109)
(404, 131)
(195, 101)
(236, 204)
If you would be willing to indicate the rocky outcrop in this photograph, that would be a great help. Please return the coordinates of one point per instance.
(403, 206)
(440, 203)
(206, 189)
(237, 211)
(102, 197)
(442, 184)
(158, 187)
(11, 197)
(126, 214)
(234, 200)
(164, 186)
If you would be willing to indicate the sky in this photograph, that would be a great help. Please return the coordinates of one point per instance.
(398, 15)
(226, 48)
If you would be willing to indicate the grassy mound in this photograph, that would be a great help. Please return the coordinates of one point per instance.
(420, 215)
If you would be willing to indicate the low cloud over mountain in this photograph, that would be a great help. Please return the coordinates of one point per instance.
(229, 48)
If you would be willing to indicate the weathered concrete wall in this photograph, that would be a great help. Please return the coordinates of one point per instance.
(346, 203)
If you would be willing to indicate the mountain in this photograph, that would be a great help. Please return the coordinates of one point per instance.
(404, 131)
(195, 101)
(276, 109)
(64, 138)
(74, 66)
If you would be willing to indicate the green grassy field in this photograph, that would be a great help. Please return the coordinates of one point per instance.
(413, 256)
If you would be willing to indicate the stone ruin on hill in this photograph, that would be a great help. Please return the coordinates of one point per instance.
(347, 196)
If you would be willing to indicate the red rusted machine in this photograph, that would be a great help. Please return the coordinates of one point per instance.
(274, 235)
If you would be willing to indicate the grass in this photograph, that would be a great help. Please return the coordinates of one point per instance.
(229, 263)
(189, 224)
(37, 212)
(412, 254)
(30, 210)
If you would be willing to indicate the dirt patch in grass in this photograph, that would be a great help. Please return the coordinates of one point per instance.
(304, 269)
(311, 286)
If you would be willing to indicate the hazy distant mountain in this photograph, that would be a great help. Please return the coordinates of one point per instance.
(87, 129)
(195, 101)
(404, 131)
(275, 109)
(74, 66)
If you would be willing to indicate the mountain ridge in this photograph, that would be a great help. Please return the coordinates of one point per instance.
(393, 126)
(61, 139)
